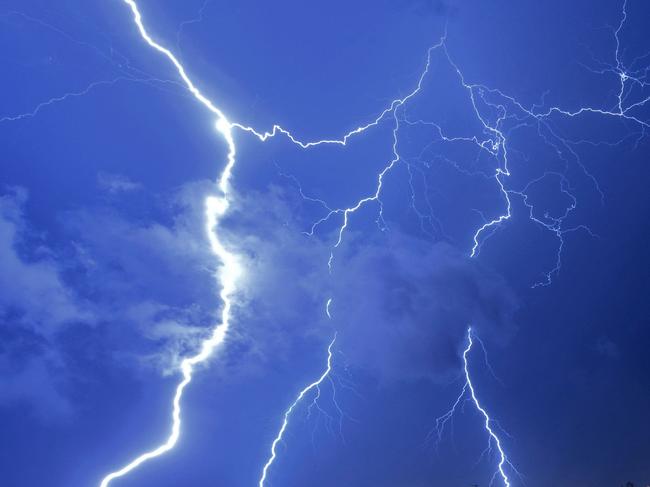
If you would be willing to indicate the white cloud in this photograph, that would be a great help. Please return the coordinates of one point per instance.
(148, 287)
(35, 305)
(116, 183)
(151, 280)
(32, 288)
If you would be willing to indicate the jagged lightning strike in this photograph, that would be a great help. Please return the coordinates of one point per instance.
(285, 420)
(494, 142)
(230, 270)
(468, 390)
(215, 208)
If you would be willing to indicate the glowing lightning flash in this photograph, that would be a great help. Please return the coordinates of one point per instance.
(494, 142)
(230, 270)
(215, 209)
(469, 387)
(285, 422)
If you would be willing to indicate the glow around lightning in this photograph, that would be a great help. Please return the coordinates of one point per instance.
(215, 207)
(493, 140)
(287, 414)
(469, 391)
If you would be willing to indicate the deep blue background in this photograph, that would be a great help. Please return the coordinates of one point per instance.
(107, 276)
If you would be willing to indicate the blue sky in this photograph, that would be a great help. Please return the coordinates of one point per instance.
(108, 279)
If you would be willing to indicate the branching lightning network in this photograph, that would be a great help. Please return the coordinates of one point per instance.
(492, 108)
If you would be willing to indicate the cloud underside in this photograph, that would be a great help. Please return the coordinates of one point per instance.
(147, 291)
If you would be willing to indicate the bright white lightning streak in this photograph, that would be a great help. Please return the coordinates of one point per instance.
(328, 304)
(287, 413)
(374, 197)
(215, 207)
(468, 386)
(496, 143)
(230, 270)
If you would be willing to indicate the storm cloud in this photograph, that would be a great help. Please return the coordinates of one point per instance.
(404, 305)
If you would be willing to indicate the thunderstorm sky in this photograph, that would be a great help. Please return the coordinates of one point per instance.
(393, 243)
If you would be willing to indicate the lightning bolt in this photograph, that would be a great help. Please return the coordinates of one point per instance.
(494, 141)
(316, 385)
(186, 23)
(469, 393)
(392, 109)
(215, 208)
(76, 94)
(287, 414)
(230, 271)
(627, 79)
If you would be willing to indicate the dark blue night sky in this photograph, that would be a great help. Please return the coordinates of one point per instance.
(499, 181)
